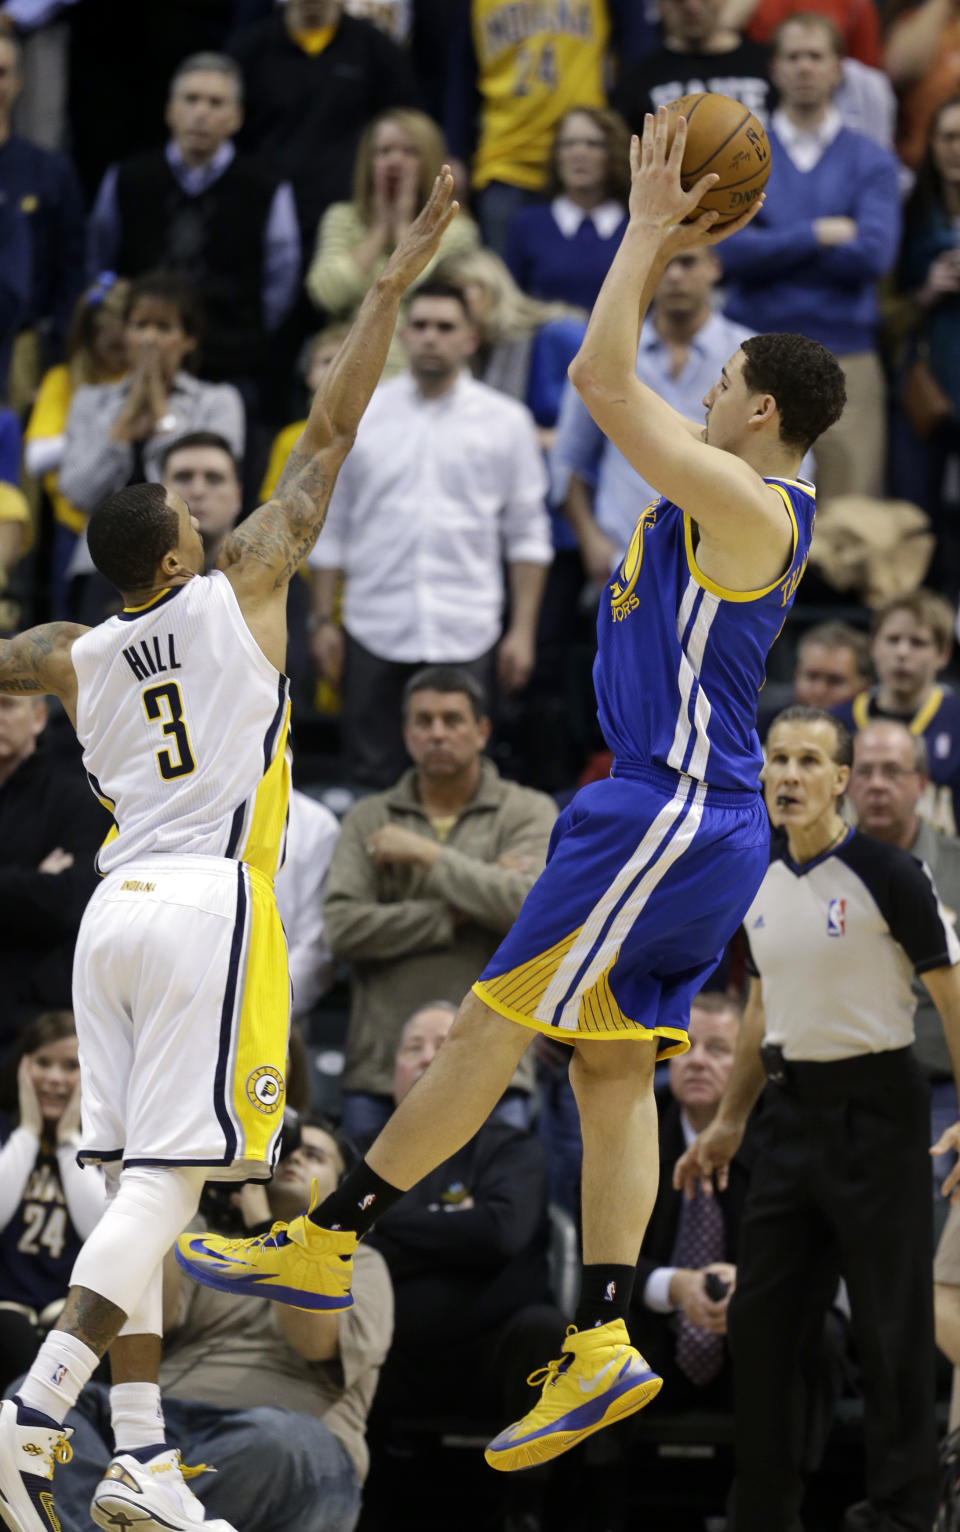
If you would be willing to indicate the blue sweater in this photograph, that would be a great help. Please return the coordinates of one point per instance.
(546, 264)
(779, 278)
(45, 187)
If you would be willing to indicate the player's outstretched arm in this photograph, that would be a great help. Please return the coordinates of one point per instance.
(261, 556)
(719, 490)
(38, 663)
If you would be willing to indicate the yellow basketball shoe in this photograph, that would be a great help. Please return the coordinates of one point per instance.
(297, 1263)
(601, 1378)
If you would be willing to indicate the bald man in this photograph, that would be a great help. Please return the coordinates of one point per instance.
(888, 779)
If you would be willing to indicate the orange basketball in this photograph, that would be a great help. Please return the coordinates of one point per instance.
(725, 138)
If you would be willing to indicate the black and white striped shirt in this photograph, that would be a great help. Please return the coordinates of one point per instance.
(836, 943)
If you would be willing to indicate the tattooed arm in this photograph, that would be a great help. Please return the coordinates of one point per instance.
(262, 555)
(38, 663)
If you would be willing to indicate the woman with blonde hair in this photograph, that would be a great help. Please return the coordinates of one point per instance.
(525, 345)
(562, 248)
(96, 353)
(400, 154)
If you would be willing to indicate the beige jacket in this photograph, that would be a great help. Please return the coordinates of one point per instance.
(396, 925)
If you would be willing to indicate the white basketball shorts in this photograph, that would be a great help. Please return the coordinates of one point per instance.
(182, 1004)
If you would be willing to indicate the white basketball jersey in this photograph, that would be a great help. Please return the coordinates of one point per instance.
(184, 726)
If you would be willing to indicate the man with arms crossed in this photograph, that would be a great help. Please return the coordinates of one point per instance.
(649, 871)
(180, 982)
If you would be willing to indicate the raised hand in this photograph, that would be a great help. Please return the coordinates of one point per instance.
(31, 1116)
(420, 242)
(657, 196)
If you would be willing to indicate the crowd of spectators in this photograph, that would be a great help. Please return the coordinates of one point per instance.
(183, 245)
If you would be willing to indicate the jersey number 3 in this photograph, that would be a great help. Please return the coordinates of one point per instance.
(164, 705)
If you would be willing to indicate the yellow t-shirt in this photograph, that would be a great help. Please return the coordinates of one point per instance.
(279, 452)
(535, 60)
(315, 41)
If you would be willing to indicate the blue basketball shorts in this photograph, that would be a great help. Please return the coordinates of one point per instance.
(647, 878)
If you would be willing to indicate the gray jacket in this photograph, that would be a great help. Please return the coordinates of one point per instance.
(414, 935)
(94, 466)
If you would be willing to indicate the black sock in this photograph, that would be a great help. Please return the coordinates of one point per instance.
(359, 1199)
(604, 1295)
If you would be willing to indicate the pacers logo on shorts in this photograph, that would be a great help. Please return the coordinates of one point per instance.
(265, 1089)
(622, 598)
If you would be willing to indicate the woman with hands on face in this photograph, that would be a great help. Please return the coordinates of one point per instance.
(398, 159)
(48, 1204)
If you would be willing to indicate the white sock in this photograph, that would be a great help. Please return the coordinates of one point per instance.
(62, 1366)
(137, 1416)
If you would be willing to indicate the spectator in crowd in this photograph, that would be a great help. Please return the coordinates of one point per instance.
(320, 352)
(219, 218)
(16, 527)
(561, 249)
(444, 484)
(277, 1398)
(524, 346)
(910, 644)
(799, 268)
(467, 1254)
(96, 353)
(946, 1304)
(398, 160)
(857, 22)
(43, 184)
(117, 432)
(15, 279)
(301, 885)
(680, 1319)
(202, 469)
(832, 665)
(841, 1182)
(699, 50)
(313, 79)
(50, 828)
(424, 881)
(683, 345)
(511, 77)
(887, 782)
(921, 53)
(926, 434)
(48, 1203)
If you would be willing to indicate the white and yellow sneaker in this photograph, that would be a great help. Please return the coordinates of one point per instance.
(31, 1446)
(145, 1492)
(599, 1379)
(297, 1263)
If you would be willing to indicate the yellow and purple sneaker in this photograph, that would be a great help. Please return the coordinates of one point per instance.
(600, 1378)
(298, 1263)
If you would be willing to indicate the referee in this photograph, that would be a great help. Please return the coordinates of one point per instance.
(842, 1179)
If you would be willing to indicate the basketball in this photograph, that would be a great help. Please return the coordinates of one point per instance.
(725, 138)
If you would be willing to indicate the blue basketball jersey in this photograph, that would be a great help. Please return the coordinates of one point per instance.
(680, 661)
(40, 1244)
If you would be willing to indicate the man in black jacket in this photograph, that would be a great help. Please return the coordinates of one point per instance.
(220, 218)
(679, 1317)
(50, 828)
(467, 1252)
(313, 80)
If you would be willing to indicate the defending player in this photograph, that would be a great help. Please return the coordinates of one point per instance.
(181, 993)
(649, 872)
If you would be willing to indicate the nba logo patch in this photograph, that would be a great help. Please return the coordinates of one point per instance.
(837, 917)
(941, 746)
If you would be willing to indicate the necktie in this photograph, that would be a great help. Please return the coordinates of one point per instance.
(700, 1241)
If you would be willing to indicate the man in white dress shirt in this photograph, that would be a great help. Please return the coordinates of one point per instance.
(444, 486)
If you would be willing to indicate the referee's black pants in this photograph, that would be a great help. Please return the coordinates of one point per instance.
(841, 1187)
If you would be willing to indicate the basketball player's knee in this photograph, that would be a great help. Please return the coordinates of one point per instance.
(626, 1067)
(167, 1196)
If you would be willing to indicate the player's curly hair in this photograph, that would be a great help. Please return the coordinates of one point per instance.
(129, 533)
(804, 378)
